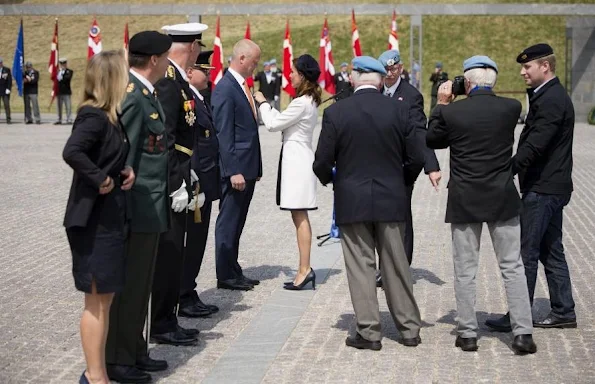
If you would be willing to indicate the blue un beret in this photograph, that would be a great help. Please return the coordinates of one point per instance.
(390, 57)
(367, 64)
(479, 61)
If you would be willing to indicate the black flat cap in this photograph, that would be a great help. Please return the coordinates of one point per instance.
(203, 60)
(536, 51)
(308, 66)
(148, 43)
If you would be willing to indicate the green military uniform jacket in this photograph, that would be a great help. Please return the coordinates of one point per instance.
(144, 121)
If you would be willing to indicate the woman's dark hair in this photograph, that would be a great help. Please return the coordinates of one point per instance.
(308, 87)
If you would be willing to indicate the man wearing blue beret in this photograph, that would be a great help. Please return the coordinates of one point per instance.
(543, 162)
(372, 143)
(343, 85)
(403, 92)
(480, 133)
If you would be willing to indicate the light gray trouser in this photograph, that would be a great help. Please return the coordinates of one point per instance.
(506, 238)
(64, 99)
(359, 242)
(31, 100)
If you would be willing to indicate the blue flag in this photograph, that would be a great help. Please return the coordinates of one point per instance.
(19, 60)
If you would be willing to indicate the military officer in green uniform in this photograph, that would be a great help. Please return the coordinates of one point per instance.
(179, 106)
(143, 120)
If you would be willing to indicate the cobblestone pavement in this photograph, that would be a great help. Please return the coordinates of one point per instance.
(40, 309)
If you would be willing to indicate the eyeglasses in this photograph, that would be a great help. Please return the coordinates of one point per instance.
(393, 68)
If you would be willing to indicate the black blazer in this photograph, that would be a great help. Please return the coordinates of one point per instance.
(409, 94)
(5, 80)
(480, 133)
(343, 87)
(31, 87)
(64, 84)
(95, 150)
(369, 140)
(544, 155)
(267, 89)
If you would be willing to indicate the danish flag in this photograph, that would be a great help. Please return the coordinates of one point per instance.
(325, 60)
(393, 37)
(287, 62)
(94, 40)
(217, 61)
(355, 45)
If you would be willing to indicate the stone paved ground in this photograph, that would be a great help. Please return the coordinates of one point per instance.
(40, 309)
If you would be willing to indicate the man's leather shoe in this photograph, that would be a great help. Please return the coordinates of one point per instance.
(145, 363)
(524, 344)
(467, 344)
(250, 281)
(411, 342)
(553, 322)
(501, 324)
(361, 343)
(127, 374)
(211, 307)
(194, 310)
(174, 338)
(234, 285)
(192, 332)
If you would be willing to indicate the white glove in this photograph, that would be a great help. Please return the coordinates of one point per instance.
(193, 177)
(179, 198)
(201, 201)
(8, 91)
(276, 98)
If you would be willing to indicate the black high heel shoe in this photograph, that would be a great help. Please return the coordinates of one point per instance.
(83, 379)
(311, 277)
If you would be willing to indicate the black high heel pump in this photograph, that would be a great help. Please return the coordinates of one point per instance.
(311, 277)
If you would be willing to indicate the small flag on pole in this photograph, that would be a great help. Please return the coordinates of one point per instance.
(393, 37)
(94, 40)
(325, 61)
(53, 64)
(287, 62)
(355, 44)
(217, 60)
(19, 60)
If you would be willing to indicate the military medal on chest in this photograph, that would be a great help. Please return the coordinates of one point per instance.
(189, 116)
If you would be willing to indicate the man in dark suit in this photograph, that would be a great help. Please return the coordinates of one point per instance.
(481, 190)
(267, 81)
(240, 161)
(143, 119)
(343, 83)
(403, 92)
(544, 163)
(205, 168)
(5, 89)
(64, 92)
(30, 91)
(278, 80)
(369, 139)
(178, 103)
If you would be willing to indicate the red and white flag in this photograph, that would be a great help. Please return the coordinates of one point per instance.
(126, 37)
(53, 63)
(287, 63)
(325, 61)
(355, 45)
(393, 37)
(94, 40)
(217, 60)
(250, 80)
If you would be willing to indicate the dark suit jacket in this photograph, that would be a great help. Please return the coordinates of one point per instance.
(237, 130)
(143, 120)
(94, 151)
(205, 160)
(178, 104)
(64, 84)
(343, 86)
(480, 133)
(30, 88)
(369, 140)
(544, 155)
(409, 94)
(5, 80)
(267, 89)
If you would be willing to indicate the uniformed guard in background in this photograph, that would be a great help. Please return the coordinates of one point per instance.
(178, 103)
(205, 164)
(148, 209)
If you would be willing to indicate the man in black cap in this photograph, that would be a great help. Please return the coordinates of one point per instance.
(64, 77)
(206, 168)
(544, 163)
(5, 88)
(148, 208)
(178, 103)
(30, 91)
(202, 64)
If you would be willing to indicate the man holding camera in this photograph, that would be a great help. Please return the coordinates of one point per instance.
(480, 133)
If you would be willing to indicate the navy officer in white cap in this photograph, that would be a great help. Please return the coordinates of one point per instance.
(372, 142)
(178, 104)
(480, 133)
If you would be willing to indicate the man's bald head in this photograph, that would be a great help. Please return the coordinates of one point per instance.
(245, 57)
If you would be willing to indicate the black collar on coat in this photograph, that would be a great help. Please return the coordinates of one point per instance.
(534, 96)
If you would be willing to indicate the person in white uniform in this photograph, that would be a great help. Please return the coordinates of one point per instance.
(296, 182)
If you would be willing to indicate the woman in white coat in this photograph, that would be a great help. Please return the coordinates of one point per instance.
(296, 182)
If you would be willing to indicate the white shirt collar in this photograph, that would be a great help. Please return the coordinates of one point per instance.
(541, 86)
(393, 88)
(182, 72)
(365, 86)
(239, 78)
(196, 92)
(143, 80)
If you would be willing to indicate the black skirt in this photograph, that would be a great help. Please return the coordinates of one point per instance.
(98, 250)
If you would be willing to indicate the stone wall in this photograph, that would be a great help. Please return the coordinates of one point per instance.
(582, 32)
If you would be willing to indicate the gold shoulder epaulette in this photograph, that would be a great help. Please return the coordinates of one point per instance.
(130, 87)
(171, 72)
